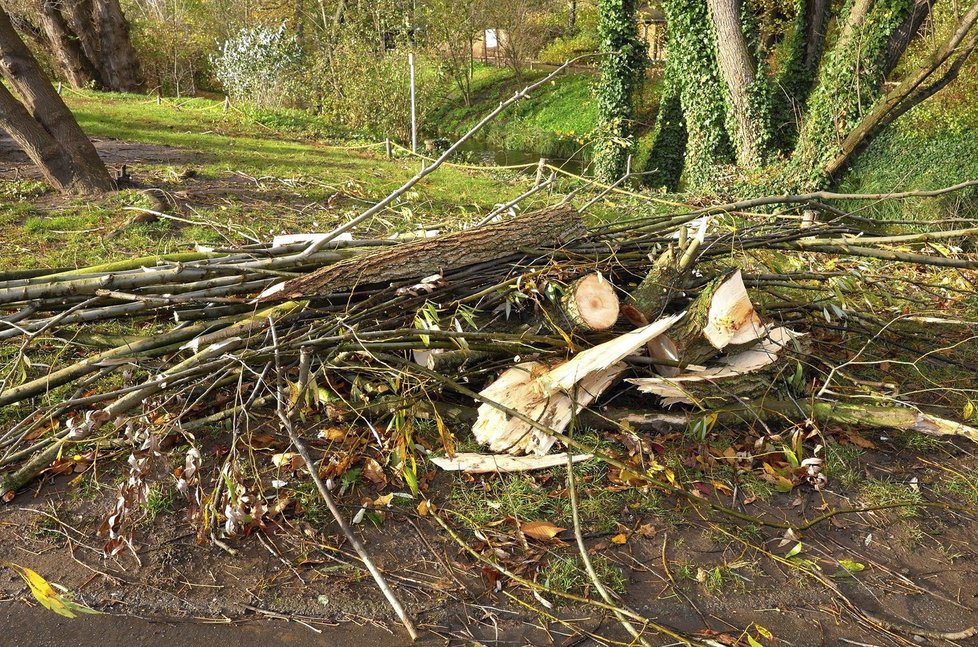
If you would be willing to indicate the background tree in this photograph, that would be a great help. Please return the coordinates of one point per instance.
(622, 65)
(451, 27)
(87, 41)
(41, 123)
(790, 116)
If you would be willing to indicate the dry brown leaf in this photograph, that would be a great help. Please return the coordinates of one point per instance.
(374, 472)
(541, 530)
(424, 507)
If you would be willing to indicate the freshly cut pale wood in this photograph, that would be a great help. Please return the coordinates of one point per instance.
(600, 357)
(683, 388)
(731, 318)
(552, 395)
(518, 388)
(590, 303)
(485, 463)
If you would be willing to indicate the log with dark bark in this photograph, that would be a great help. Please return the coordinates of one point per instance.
(546, 229)
(42, 124)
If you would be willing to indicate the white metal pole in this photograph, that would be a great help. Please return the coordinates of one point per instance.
(414, 109)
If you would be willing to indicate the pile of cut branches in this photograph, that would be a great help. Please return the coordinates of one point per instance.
(218, 334)
(533, 319)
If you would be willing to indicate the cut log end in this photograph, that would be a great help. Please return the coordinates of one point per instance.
(590, 303)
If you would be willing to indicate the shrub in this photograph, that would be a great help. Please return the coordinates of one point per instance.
(262, 65)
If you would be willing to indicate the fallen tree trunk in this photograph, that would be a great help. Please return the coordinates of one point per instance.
(772, 409)
(546, 229)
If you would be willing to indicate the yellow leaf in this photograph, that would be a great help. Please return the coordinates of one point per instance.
(383, 500)
(541, 530)
(969, 410)
(47, 596)
(764, 633)
(619, 539)
(424, 507)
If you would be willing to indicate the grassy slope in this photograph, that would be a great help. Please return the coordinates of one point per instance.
(935, 145)
(298, 174)
(555, 121)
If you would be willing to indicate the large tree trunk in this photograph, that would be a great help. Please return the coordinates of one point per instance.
(905, 33)
(71, 60)
(89, 41)
(691, 65)
(621, 68)
(117, 58)
(42, 124)
(748, 101)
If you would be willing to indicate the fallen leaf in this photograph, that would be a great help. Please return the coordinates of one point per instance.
(424, 507)
(383, 501)
(288, 460)
(374, 472)
(44, 593)
(619, 539)
(541, 530)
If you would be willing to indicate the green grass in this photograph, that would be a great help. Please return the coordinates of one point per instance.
(555, 121)
(264, 173)
(877, 492)
(566, 574)
(932, 146)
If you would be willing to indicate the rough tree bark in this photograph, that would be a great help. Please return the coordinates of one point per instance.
(89, 42)
(429, 256)
(739, 70)
(41, 123)
(71, 60)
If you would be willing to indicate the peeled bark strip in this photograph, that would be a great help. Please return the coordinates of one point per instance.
(741, 375)
(590, 303)
(503, 463)
(548, 228)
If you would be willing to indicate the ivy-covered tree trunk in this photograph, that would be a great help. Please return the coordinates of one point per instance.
(747, 91)
(790, 118)
(622, 65)
(691, 69)
(849, 82)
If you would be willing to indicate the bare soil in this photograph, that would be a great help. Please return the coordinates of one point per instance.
(291, 578)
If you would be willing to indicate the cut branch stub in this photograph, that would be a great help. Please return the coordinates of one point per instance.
(590, 303)
(721, 317)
